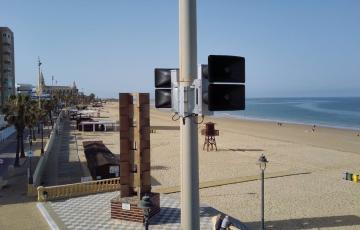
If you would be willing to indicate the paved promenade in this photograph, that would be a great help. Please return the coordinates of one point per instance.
(93, 212)
(64, 166)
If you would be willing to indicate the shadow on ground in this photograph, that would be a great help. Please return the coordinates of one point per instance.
(166, 212)
(242, 150)
(16, 189)
(309, 223)
(159, 167)
(163, 127)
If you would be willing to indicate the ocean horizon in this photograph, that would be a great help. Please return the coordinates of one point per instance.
(335, 112)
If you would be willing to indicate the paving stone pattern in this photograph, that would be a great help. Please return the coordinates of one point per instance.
(93, 212)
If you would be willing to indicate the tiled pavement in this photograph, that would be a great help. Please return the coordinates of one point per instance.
(93, 212)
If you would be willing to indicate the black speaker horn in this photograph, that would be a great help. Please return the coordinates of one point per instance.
(225, 97)
(223, 68)
(162, 78)
(162, 98)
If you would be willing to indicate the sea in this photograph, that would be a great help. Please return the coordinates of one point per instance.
(337, 112)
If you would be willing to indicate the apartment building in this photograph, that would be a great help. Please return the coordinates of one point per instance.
(7, 64)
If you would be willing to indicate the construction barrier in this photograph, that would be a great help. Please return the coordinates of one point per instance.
(77, 189)
(40, 167)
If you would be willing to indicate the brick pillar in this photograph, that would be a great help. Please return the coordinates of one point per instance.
(125, 102)
(142, 138)
(134, 112)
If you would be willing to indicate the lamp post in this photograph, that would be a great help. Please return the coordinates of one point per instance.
(42, 137)
(30, 156)
(262, 163)
(189, 166)
(146, 204)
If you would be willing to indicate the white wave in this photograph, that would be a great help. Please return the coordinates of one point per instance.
(313, 106)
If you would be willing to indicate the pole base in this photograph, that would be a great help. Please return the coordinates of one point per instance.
(126, 208)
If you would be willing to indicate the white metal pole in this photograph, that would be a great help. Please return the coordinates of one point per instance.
(188, 129)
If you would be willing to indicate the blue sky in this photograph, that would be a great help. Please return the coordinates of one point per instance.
(292, 48)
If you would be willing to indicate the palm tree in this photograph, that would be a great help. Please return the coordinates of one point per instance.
(92, 97)
(49, 106)
(33, 118)
(56, 101)
(59, 99)
(41, 118)
(16, 111)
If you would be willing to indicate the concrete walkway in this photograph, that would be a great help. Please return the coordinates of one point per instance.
(17, 210)
(64, 166)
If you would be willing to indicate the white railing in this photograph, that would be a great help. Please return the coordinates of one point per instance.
(5, 133)
(78, 189)
(40, 167)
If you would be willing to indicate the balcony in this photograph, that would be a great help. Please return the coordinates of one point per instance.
(7, 68)
(6, 59)
(6, 40)
(7, 49)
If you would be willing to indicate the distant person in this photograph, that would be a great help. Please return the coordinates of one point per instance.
(313, 128)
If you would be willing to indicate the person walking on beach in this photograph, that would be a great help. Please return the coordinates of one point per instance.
(313, 128)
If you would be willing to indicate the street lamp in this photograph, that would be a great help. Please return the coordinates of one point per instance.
(30, 155)
(146, 204)
(262, 163)
(42, 138)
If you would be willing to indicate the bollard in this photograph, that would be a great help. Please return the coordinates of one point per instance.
(349, 176)
(355, 178)
(345, 175)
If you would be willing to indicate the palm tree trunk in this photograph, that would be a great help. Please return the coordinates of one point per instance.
(16, 164)
(33, 134)
(22, 144)
(51, 121)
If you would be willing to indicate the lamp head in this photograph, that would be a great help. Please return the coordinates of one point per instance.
(145, 202)
(262, 162)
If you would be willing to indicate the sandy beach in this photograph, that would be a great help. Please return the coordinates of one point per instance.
(307, 190)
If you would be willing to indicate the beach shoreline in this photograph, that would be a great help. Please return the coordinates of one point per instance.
(313, 160)
(284, 121)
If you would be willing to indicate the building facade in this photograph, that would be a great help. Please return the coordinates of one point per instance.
(25, 89)
(7, 64)
(42, 88)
